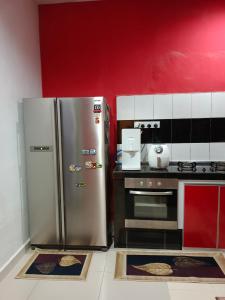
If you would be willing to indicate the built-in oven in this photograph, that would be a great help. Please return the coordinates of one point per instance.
(151, 203)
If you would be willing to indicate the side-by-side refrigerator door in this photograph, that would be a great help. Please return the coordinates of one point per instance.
(41, 165)
(84, 171)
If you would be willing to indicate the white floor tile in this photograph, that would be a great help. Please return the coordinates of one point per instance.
(17, 289)
(101, 285)
(201, 287)
(191, 295)
(67, 290)
(110, 261)
(219, 289)
(120, 289)
(98, 261)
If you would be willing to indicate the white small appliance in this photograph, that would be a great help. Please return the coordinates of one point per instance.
(131, 149)
(158, 156)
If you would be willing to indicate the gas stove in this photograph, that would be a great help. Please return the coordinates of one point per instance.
(210, 167)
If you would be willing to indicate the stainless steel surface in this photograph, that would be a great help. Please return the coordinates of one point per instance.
(42, 187)
(151, 193)
(150, 224)
(60, 171)
(150, 205)
(84, 191)
(153, 183)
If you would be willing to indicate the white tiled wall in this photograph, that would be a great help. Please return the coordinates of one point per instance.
(178, 106)
(181, 106)
(218, 105)
(200, 152)
(217, 151)
(168, 106)
(143, 107)
(163, 106)
(201, 104)
(181, 152)
(125, 108)
(144, 152)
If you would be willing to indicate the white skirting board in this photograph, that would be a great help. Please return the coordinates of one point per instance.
(14, 259)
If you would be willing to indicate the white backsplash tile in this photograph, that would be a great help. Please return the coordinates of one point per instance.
(217, 151)
(177, 106)
(200, 151)
(125, 107)
(144, 152)
(143, 107)
(201, 105)
(181, 106)
(163, 106)
(218, 105)
(181, 152)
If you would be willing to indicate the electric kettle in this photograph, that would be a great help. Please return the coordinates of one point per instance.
(158, 156)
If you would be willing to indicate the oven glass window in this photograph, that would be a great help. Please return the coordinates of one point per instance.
(150, 207)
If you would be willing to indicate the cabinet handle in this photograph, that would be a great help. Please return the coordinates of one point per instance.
(151, 193)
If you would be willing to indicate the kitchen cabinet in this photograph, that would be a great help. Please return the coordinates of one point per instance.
(204, 216)
(200, 216)
(222, 219)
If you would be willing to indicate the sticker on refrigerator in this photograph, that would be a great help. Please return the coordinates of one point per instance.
(74, 168)
(80, 184)
(97, 108)
(97, 120)
(90, 165)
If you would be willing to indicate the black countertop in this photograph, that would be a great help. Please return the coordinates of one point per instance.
(203, 172)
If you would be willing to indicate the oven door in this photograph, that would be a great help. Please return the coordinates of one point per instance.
(151, 209)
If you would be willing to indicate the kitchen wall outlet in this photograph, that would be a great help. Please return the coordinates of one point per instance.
(147, 124)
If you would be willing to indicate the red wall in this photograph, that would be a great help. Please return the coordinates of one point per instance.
(132, 47)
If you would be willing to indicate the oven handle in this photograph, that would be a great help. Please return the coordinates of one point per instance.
(151, 193)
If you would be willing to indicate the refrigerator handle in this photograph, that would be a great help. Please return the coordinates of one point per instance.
(60, 170)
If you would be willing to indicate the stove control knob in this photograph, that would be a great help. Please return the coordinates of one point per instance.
(204, 170)
(159, 183)
(141, 183)
(150, 183)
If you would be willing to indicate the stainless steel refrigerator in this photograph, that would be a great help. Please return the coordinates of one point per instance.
(66, 141)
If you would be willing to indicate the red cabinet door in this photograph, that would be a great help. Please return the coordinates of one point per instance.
(200, 216)
(222, 218)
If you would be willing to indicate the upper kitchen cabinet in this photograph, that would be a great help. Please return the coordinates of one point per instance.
(163, 106)
(181, 106)
(144, 105)
(125, 107)
(201, 105)
(218, 105)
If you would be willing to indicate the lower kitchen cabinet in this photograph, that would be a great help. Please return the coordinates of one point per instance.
(222, 218)
(201, 216)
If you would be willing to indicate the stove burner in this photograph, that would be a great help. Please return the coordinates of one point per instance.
(217, 166)
(186, 166)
